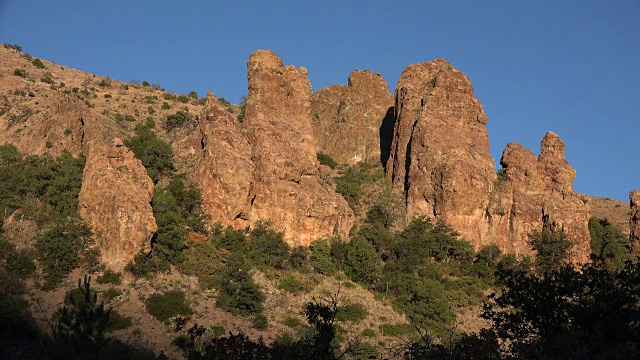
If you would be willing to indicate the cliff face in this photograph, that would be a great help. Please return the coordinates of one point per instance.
(115, 201)
(288, 189)
(535, 192)
(268, 170)
(349, 121)
(440, 159)
(440, 151)
(223, 167)
(634, 221)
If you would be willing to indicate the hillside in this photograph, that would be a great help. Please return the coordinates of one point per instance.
(239, 217)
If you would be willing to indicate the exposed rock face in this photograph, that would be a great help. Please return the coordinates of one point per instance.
(287, 186)
(223, 169)
(536, 192)
(634, 220)
(440, 159)
(348, 120)
(440, 150)
(54, 130)
(115, 201)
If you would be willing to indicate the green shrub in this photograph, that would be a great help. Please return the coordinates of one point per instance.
(363, 351)
(290, 285)
(238, 293)
(156, 155)
(109, 277)
(352, 313)
(293, 322)
(111, 293)
(368, 332)
(183, 99)
(144, 265)
(216, 330)
(326, 160)
(177, 120)
(20, 72)
(145, 83)
(321, 259)
(108, 96)
(397, 330)
(260, 322)
(165, 106)
(362, 262)
(167, 305)
(118, 322)
(268, 247)
(46, 78)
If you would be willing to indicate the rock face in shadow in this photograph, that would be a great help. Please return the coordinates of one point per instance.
(533, 192)
(115, 201)
(440, 159)
(347, 120)
(268, 171)
(223, 167)
(634, 221)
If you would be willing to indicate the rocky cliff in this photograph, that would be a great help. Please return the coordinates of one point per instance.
(115, 201)
(351, 123)
(440, 151)
(440, 159)
(532, 192)
(634, 221)
(267, 170)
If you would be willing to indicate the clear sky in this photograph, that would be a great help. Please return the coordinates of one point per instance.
(568, 66)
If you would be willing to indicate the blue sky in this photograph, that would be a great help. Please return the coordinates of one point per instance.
(568, 66)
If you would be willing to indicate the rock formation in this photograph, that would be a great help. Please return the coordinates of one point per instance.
(531, 193)
(269, 171)
(115, 201)
(440, 159)
(349, 120)
(440, 151)
(634, 221)
(223, 169)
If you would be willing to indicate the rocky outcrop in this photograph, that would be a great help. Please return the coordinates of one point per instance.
(535, 192)
(440, 151)
(53, 130)
(223, 167)
(440, 159)
(634, 221)
(351, 123)
(287, 186)
(115, 200)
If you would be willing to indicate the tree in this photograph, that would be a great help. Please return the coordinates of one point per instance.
(608, 243)
(238, 293)
(552, 249)
(362, 262)
(155, 154)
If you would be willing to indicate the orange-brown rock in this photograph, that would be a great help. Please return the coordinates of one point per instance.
(634, 220)
(223, 167)
(440, 159)
(532, 193)
(287, 186)
(115, 200)
(440, 150)
(348, 120)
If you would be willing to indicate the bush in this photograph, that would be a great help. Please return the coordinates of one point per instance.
(20, 72)
(326, 160)
(118, 322)
(109, 277)
(111, 293)
(177, 120)
(145, 83)
(321, 259)
(167, 305)
(362, 262)
(352, 312)
(260, 322)
(268, 247)
(238, 293)
(155, 154)
(290, 285)
(165, 106)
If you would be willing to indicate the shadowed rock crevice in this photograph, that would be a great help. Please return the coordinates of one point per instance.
(386, 135)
